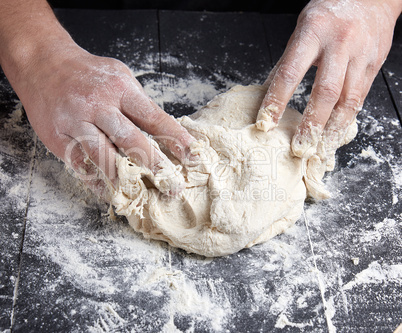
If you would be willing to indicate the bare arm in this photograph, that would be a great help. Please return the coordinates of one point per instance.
(83, 107)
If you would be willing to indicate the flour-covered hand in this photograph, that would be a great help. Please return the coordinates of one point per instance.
(86, 109)
(348, 41)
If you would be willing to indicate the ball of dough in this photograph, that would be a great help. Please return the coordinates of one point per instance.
(246, 188)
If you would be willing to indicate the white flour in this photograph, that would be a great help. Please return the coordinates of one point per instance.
(116, 279)
(376, 273)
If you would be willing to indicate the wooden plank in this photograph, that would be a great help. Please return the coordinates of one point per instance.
(278, 29)
(14, 187)
(365, 220)
(16, 152)
(360, 222)
(57, 216)
(206, 53)
(48, 298)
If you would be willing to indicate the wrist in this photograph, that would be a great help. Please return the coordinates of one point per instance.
(29, 36)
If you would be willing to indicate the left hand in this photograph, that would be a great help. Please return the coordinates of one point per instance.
(348, 41)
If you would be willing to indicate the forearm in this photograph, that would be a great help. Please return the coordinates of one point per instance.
(29, 32)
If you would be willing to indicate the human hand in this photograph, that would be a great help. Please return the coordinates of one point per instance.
(92, 108)
(348, 41)
(87, 109)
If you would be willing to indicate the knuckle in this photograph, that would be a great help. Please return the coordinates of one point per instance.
(328, 91)
(313, 27)
(157, 119)
(312, 35)
(118, 77)
(118, 82)
(346, 32)
(312, 20)
(114, 65)
(373, 68)
(289, 73)
(126, 142)
(310, 14)
(350, 101)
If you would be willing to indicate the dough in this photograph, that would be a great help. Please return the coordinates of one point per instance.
(246, 188)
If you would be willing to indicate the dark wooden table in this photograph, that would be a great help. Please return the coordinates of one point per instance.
(66, 267)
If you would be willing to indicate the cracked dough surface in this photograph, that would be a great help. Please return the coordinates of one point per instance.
(247, 187)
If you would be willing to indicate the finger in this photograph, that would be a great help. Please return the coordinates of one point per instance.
(284, 79)
(371, 73)
(98, 149)
(367, 82)
(129, 139)
(85, 170)
(148, 116)
(339, 124)
(72, 153)
(325, 93)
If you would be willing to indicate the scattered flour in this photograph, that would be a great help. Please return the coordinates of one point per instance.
(283, 321)
(14, 121)
(120, 280)
(369, 152)
(376, 273)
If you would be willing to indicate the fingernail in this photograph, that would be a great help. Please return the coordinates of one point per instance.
(193, 157)
(265, 125)
(265, 119)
